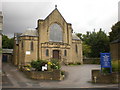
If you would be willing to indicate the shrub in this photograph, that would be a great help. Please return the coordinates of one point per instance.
(106, 70)
(38, 64)
(55, 64)
(62, 72)
(28, 65)
(78, 63)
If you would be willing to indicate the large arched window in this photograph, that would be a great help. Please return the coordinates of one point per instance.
(55, 33)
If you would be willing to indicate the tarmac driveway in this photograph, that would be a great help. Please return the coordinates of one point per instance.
(76, 77)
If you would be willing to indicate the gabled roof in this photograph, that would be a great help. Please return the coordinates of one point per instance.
(53, 12)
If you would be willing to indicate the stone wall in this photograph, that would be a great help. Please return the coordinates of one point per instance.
(44, 75)
(98, 77)
(91, 61)
(76, 52)
(20, 51)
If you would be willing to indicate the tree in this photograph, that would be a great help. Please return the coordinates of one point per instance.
(86, 49)
(11, 43)
(79, 35)
(7, 42)
(99, 42)
(94, 43)
(0, 50)
(115, 33)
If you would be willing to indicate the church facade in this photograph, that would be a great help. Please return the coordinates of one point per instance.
(53, 38)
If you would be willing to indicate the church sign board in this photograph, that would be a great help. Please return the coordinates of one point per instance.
(105, 61)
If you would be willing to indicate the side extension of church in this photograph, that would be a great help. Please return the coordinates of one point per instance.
(53, 38)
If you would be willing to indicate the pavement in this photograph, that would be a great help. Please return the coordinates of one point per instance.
(75, 77)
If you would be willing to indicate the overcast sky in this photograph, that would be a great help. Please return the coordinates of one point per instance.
(84, 15)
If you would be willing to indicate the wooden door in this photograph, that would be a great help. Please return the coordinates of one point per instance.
(56, 54)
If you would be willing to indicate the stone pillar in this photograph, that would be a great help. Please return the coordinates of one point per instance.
(40, 36)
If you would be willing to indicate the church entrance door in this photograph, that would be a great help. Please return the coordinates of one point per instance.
(56, 54)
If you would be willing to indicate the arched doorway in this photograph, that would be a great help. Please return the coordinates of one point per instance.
(56, 54)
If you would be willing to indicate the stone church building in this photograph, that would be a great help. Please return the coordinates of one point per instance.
(53, 38)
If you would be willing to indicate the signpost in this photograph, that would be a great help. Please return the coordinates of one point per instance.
(105, 61)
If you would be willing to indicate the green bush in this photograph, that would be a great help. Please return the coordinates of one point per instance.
(0, 50)
(62, 72)
(105, 70)
(116, 65)
(38, 64)
(55, 64)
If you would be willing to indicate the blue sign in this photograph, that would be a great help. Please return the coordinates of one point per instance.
(105, 61)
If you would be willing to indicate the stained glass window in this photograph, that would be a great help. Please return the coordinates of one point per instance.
(55, 33)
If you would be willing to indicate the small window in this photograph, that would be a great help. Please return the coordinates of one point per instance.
(22, 45)
(76, 48)
(47, 52)
(31, 46)
(65, 53)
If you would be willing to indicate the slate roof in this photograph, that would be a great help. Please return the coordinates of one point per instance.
(75, 37)
(16, 36)
(30, 32)
(115, 41)
(34, 33)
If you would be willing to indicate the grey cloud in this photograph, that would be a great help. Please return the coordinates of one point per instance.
(18, 16)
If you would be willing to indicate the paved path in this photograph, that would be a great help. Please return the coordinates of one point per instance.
(76, 77)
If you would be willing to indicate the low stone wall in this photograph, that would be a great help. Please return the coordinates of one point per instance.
(91, 61)
(44, 75)
(98, 77)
